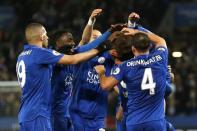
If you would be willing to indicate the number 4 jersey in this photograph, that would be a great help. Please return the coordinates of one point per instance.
(145, 77)
(34, 69)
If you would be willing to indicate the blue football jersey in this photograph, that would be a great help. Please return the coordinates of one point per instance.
(61, 89)
(88, 99)
(123, 94)
(145, 77)
(34, 71)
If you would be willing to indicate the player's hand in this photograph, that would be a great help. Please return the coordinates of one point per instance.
(92, 18)
(133, 19)
(117, 27)
(133, 16)
(95, 13)
(171, 73)
(100, 69)
(106, 45)
(129, 31)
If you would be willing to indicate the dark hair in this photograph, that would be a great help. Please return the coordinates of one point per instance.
(122, 44)
(55, 36)
(141, 42)
(58, 34)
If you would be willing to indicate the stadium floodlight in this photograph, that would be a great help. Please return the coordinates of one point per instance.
(177, 54)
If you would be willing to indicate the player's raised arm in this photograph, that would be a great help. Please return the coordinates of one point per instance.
(157, 40)
(99, 40)
(87, 32)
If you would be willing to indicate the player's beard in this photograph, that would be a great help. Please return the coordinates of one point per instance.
(45, 44)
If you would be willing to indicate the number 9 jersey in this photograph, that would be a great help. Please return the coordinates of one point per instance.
(34, 70)
(145, 77)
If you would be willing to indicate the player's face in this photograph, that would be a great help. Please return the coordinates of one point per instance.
(44, 38)
(67, 39)
(95, 35)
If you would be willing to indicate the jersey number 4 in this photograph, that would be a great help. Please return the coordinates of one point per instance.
(21, 74)
(147, 81)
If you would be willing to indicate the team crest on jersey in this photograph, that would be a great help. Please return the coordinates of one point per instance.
(116, 71)
(101, 60)
(56, 53)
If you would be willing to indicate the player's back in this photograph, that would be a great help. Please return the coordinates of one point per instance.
(34, 68)
(145, 77)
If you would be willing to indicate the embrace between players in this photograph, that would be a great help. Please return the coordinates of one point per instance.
(67, 89)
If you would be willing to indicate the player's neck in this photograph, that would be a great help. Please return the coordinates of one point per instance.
(35, 43)
(117, 61)
(141, 53)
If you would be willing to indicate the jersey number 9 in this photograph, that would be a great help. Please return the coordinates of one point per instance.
(21, 74)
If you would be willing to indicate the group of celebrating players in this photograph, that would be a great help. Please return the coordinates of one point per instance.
(66, 88)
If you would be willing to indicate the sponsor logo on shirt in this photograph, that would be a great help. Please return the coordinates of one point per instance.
(68, 80)
(93, 78)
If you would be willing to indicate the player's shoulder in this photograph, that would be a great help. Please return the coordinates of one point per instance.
(159, 49)
(43, 51)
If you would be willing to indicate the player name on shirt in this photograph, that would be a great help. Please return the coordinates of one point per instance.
(28, 52)
(143, 62)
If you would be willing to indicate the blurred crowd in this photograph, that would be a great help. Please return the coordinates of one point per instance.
(72, 15)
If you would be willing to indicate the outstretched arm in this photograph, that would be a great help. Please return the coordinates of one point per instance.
(94, 43)
(77, 58)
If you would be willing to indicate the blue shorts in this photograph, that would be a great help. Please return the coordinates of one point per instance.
(86, 124)
(40, 123)
(169, 126)
(158, 125)
(61, 123)
(121, 125)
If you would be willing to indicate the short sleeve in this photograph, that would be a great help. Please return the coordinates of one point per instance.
(163, 51)
(117, 73)
(47, 56)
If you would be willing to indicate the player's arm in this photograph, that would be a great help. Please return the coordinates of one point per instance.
(101, 39)
(157, 40)
(106, 83)
(94, 43)
(119, 113)
(132, 22)
(169, 82)
(77, 58)
(116, 89)
(87, 32)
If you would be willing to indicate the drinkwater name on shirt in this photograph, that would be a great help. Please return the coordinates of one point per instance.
(144, 62)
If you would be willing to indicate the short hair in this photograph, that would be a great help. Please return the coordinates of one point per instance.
(123, 45)
(141, 42)
(32, 30)
(58, 34)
